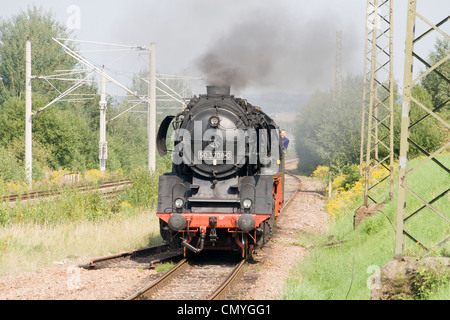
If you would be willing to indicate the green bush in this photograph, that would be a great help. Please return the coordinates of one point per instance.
(10, 169)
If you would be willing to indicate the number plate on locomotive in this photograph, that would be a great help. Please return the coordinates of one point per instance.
(215, 155)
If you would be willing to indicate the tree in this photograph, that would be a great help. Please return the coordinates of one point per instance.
(438, 84)
(428, 133)
(329, 131)
(9, 167)
(63, 134)
(47, 55)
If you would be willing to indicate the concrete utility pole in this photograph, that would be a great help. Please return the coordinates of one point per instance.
(151, 99)
(102, 144)
(28, 116)
(151, 124)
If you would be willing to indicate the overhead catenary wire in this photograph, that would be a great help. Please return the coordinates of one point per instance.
(62, 95)
(124, 112)
(169, 88)
(163, 91)
(102, 50)
(90, 65)
(90, 68)
(105, 44)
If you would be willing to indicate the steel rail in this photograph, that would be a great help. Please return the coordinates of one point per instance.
(293, 195)
(223, 289)
(148, 251)
(44, 194)
(180, 266)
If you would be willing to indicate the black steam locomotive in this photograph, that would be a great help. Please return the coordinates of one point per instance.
(225, 188)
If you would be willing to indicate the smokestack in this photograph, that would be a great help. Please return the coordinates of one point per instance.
(218, 90)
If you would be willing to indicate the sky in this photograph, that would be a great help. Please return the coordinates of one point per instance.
(274, 46)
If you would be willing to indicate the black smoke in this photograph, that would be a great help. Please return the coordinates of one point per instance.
(278, 50)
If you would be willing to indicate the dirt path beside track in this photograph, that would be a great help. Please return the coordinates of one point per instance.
(265, 278)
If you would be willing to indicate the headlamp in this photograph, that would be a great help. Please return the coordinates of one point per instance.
(179, 203)
(247, 203)
(214, 121)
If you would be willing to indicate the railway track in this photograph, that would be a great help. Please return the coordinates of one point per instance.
(141, 258)
(190, 280)
(291, 188)
(207, 277)
(108, 189)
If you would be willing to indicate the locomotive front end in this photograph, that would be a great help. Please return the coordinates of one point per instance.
(224, 191)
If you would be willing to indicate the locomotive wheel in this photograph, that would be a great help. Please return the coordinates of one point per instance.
(247, 252)
(265, 233)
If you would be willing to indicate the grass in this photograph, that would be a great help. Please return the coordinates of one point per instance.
(55, 180)
(79, 225)
(164, 266)
(343, 272)
(33, 246)
(75, 206)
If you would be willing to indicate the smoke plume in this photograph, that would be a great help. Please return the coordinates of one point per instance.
(275, 51)
(260, 45)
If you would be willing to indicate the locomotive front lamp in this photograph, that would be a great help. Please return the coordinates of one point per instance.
(247, 203)
(179, 203)
(214, 121)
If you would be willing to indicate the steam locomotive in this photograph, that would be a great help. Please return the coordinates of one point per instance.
(225, 190)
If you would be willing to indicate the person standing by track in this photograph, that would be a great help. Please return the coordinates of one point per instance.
(284, 139)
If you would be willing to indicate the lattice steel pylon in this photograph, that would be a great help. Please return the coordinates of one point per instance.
(406, 194)
(378, 81)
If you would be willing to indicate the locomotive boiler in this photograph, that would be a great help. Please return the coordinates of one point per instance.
(225, 189)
